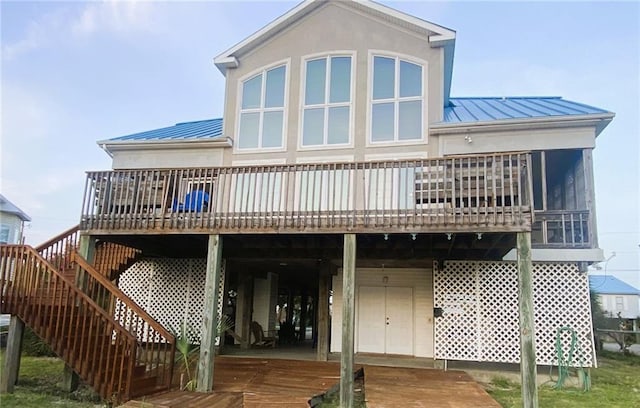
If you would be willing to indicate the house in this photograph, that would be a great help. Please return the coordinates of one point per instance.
(617, 298)
(343, 171)
(12, 221)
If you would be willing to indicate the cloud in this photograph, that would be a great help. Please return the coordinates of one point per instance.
(114, 16)
(81, 21)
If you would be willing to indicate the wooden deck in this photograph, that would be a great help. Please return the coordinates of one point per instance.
(254, 382)
(478, 193)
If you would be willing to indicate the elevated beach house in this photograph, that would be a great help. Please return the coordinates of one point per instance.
(345, 199)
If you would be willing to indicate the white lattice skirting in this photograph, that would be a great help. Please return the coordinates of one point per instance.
(480, 304)
(171, 291)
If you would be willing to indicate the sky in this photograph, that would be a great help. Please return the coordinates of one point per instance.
(76, 72)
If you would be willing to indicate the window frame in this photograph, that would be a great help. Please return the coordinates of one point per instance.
(327, 105)
(262, 110)
(396, 100)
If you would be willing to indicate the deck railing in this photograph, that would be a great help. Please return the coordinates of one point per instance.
(562, 229)
(475, 193)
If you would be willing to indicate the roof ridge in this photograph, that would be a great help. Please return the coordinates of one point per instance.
(196, 121)
(506, 97)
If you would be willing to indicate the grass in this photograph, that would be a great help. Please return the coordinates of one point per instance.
(38, 386)
(615, 383)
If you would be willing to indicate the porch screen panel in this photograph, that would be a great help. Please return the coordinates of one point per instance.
(323, 190)
(254, 192)
(389, 188)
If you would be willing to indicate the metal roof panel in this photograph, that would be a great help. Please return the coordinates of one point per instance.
(201, 129)
(487, 109)
(460, 111)
(607, 284)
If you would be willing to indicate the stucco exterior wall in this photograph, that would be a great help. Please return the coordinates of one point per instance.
(465, 142)
(167, 158)
(352, 32)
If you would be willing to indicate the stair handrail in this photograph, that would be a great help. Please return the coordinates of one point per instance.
(60, 237)
(31, 312)
(123, 297)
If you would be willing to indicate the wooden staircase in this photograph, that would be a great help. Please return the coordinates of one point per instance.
(108, 340)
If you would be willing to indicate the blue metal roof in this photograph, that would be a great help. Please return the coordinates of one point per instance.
(201, 129)
(460, 110)
(607, 284)
(469, 110)
(7, 206)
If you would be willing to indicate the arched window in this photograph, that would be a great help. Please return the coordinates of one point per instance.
(397, 100)
(262, 110)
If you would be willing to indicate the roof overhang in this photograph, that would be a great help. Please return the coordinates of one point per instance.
(126, 145)
(437, 36)
(599, 121)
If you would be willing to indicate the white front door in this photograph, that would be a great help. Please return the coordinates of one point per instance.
(385, 322)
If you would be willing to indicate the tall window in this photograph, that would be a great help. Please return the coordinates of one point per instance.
(262, 110)
(327, 101)
(396, 101)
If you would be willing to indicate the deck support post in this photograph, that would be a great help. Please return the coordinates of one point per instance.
(210, 317)
(527, 327)
(12, 355)
(245, 309)
(322, 351)
(348, 321)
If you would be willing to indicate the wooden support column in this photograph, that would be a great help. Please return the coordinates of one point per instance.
(527, 327)
(12, 355)
(304, 299)
(210, 314)
(324, 284)
(247, 310)
(348, 321)
(589, 183)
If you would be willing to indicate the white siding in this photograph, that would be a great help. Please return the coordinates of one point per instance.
(14, 224)
(629, 308)
(420, 280)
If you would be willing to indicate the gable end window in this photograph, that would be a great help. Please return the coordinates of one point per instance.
(262, 110)
(397, 100)
(326, 112)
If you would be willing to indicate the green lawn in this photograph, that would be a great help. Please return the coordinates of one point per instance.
(37, 386)
(615, 383)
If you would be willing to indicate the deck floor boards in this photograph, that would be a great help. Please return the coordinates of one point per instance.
(270, 383)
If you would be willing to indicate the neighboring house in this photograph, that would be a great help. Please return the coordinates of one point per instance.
(340, 148)
(617, 298)
(12, 221)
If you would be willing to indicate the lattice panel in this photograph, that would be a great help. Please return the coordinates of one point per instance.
(455, 291)
(561, 298)
(170, 290)
(499, 316)
(480, 303)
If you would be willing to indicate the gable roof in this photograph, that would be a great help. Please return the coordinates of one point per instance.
(7, 206)
(610, 285)
(436, 35)
(197, 130)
